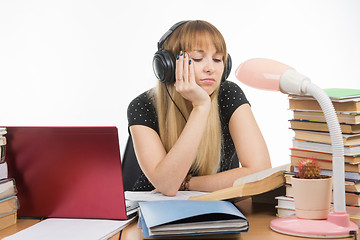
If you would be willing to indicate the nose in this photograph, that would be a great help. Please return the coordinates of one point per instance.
(209, 66)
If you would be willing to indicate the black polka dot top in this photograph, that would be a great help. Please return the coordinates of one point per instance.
(141, 111)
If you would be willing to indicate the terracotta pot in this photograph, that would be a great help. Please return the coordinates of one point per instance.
(312, 197)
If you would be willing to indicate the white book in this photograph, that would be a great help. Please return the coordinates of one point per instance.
(3, 170)
(282, 212)
(71, 229)
(285, 202)
(7, 188)
(2, 140)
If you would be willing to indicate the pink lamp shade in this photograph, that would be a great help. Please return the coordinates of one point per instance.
(261, 73)
(271, 75)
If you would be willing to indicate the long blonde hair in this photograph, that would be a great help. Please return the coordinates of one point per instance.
(171, 122)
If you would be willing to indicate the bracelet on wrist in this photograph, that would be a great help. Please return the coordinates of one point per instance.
(185, 184)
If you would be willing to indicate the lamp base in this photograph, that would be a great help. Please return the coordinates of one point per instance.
(336, 226)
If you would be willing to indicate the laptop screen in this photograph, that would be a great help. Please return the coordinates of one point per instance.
(72, 172)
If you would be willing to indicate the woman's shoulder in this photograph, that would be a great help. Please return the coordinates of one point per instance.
(228, 87)
(231, 96)
(141, 110)
(146, 98)
(230, 92)
(143, 104)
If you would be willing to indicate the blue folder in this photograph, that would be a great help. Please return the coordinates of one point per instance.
(185, 218)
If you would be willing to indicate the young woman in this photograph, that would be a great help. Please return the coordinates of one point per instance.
(188, 130)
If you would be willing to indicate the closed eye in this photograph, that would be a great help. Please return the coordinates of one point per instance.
(217, 60)
(197, 59)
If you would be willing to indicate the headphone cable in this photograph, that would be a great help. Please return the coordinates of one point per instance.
(167, 90)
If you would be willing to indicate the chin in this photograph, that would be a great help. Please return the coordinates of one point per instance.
(210, 88)
(209, 91)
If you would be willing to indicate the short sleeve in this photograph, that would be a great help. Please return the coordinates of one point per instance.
(141, 111)
(231, 96)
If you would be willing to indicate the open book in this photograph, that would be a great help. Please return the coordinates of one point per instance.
(253, 184)
(250, 185)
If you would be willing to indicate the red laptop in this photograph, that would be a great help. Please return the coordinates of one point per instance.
(72, 172)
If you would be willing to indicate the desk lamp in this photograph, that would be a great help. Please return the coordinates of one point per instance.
(272, 75)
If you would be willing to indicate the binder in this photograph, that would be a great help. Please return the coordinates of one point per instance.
(187, 218)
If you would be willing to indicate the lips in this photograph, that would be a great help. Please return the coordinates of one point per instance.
(208, 80)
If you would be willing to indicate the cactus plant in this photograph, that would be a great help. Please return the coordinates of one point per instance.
(308, 169)
(312, 191)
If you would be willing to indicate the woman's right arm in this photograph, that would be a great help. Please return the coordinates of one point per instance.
(167, 170)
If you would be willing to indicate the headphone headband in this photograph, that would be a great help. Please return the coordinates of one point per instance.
(168, 33)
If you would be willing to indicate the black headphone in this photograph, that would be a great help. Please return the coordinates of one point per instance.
(164, 61)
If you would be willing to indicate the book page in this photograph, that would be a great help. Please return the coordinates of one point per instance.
(261, 175)
(144, 196)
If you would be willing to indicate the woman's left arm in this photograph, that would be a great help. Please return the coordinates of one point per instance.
(248, 139)
(251, 150)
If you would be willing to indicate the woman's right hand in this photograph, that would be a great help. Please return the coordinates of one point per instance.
(185, 82)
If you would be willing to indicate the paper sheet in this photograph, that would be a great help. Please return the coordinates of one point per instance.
(71, 229)
(143, 196)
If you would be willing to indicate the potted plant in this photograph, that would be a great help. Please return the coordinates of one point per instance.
(312, 191)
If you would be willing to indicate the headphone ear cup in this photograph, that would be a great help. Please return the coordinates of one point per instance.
(227, 68)
(164, 66)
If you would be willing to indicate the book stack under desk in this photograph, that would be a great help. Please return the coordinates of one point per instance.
(285, 204)
(8, 199)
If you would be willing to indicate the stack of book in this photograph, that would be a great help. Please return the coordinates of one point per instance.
(312, 140)
(8, 199)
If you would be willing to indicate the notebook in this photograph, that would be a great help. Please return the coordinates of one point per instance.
(190, 218)
(71, 172)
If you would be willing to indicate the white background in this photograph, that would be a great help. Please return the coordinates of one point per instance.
(80, 62)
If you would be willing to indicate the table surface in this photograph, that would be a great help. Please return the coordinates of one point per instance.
(259, 216)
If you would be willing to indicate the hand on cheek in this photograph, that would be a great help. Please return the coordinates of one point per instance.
(185, 81)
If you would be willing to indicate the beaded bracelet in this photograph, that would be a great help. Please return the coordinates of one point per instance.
(185, 184)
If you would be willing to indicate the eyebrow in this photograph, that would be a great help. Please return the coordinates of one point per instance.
(203, 51)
